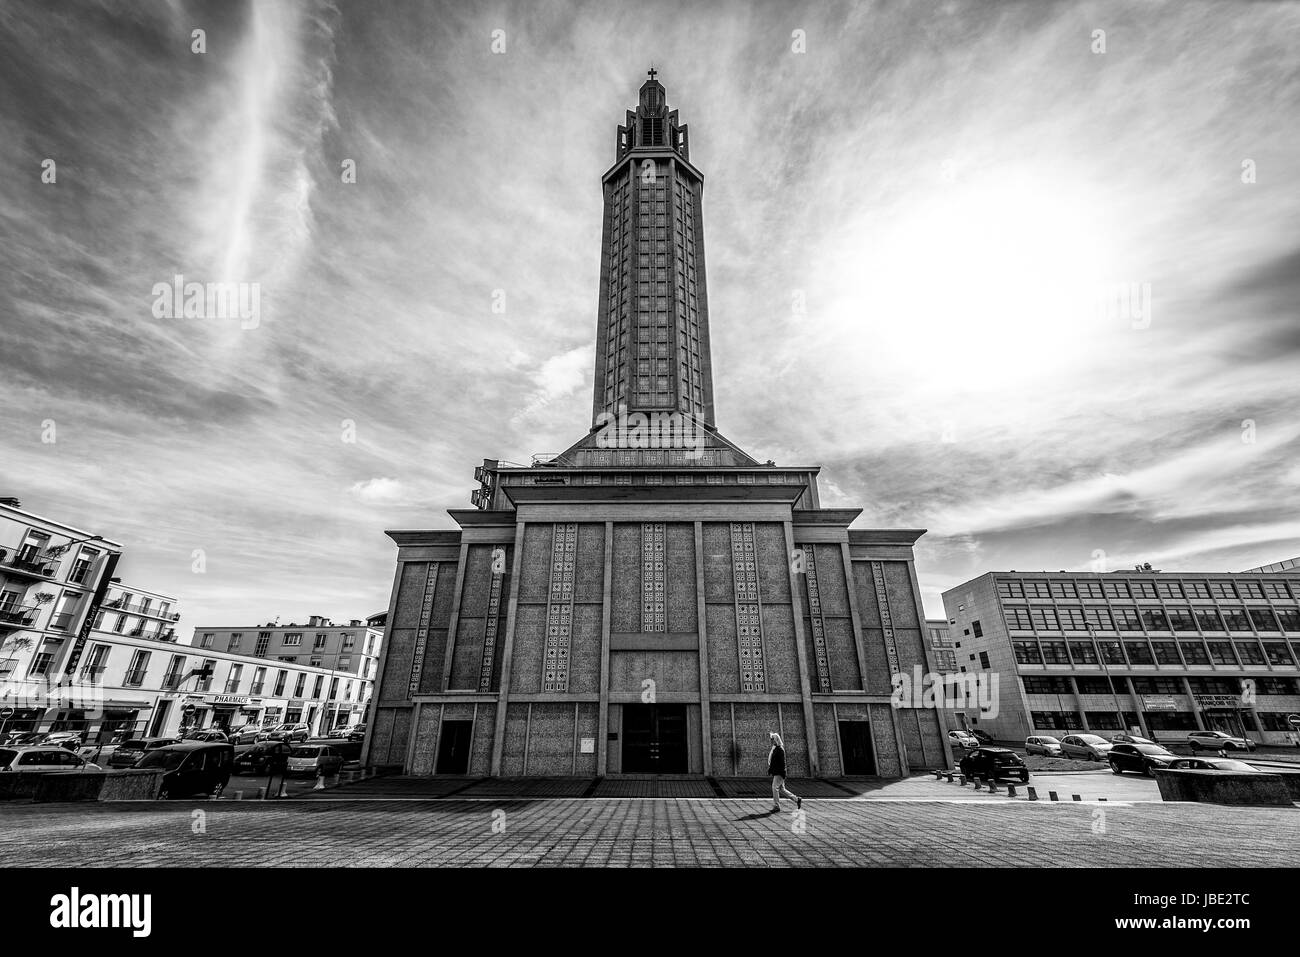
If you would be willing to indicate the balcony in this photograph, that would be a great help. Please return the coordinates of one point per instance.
(232, 687)
(63, 622)
(28, 564)
(18, 616)
(93, 673)
(168, 635)
(256, 689)
(133, 679)
(171, 681)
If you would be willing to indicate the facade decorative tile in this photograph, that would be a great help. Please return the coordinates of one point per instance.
(559, 608)
(749, 623)
(818, 623)
(422, 630)
(652, 577)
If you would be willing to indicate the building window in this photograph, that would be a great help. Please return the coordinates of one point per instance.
(206, 641)
(1263, 620)
(1277, 685)
(1018, 619)
(334, 688)
(96, 661)
(300, 684)
(209, 666)
(1027, 652)
(1007, 588)
(345, 662)
(1289, 618)
(1095, 685)
(1221, 652)
(233, 679)
(1248, 652)
(318, 643)
(234, 641)
(349, 641)
(292, 638)
(1208, 619)
(370, 645)
(1181, 619)
(1062, 589)
(1083, 652)
(1274, 721)
(175, 668)
(1103, 720)
(1116, 589)
(1089, 589)
(1054, 653)
(1235, 619)
(1154, 619)
(1143, 589)
(1055, 720)
(259, 681)
(1037, 590)
(1169, 589)
(1139, 653)
(280, 678)
(1158, 686)
(1277, 653)
(979, 632)
(1222, 590)
(1276, 590)
(1046, 684)
(40, 664)
(263, 643)
(1166, 653)
(81, 567)
(1111, 652)
(1194, 653)
(1099, 618)
(1072, 619)
(1045, 619)
(291, 659)
(320, 680)
(984, 660)
(1209, 685)
(1126, 618)
(135, 671)
(1197, 589)
(1250, 590)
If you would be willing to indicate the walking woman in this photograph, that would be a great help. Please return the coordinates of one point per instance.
(776, 768)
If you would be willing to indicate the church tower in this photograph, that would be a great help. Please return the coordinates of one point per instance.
(652, 599)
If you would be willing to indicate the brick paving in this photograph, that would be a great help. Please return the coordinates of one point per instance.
(644, 832)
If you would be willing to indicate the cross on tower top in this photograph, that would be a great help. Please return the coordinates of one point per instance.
(651, 72)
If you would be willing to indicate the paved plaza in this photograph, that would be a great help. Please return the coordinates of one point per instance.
(568, 822)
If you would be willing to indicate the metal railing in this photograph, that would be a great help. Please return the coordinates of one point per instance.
(133, 679)
(18, 614)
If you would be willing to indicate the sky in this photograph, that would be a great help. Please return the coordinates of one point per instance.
(1025, 275)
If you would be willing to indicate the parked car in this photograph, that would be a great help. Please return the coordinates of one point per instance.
(1043, 744)
(130, 751)
(314, 759)
(993, 763)
(357, 732)
(286, 732)
(1125, 738)
(963, 739)
(244, 734)
(983, 737)
(1090, 747)
(1138, 757)
(208, 734)
(260, 757)
(64, 737)
(192, 767)
(1216, 740)
(18, 738)
(1210, 764)
(43, 757)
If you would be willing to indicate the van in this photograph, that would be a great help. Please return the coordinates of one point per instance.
(193, 767)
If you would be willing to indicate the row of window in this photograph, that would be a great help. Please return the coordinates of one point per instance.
(1133, 618)
(1156, 721)
(1199, 684)
(1144, 652)
(292, 639)
(1279, 589)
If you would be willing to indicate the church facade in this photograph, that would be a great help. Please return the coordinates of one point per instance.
(652, 600)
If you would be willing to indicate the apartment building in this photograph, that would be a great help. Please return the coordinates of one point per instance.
(941, 645)
(1165, 653)
(351, 649)
(53, 578)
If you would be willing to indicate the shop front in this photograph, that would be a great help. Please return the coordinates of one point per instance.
(1226, 713)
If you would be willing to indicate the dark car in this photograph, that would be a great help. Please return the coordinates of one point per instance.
(983, 737)
(1140, 758)
(208, 734)
(193, 767)
(314, 759)
(993, 763)
(21, 738)
(260, 758)
(126, 754)
(357, 732)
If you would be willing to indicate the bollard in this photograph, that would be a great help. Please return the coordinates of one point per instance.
(1011, 790)
(1076, 797)
(1052, 795)
(950, 773)
(1101, 799)
(937, 774)
(993, 786)
(261, 794)
(284, 791)
(977, 784)
(320, 780)
(963, 779)
(1033, 793)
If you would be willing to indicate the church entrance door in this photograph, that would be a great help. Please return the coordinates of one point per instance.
(654, 739)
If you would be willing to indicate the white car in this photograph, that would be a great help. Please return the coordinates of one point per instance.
(1043, 744)
(1090, 747)
(963, 739)
(1215, 740)
(43, 758)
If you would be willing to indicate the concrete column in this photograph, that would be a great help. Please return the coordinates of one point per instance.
(801, 652)
(507, 652)
(607, 597)
(701, 628)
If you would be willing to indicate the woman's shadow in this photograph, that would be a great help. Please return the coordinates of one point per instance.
(754, 817)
